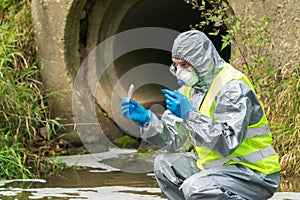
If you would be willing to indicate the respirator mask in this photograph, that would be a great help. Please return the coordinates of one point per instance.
(184, 76)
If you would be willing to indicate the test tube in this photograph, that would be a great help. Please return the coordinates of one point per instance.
(130, 92)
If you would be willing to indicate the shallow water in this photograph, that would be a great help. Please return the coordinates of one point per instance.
(84, 184)
(100, 181)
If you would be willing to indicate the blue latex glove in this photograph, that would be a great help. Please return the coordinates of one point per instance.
(135, 111)
(178, 104)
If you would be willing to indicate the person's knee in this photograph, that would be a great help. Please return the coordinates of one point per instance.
(157, 161)
(158, 164)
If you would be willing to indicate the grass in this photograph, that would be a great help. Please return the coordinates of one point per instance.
(22, 110)
(286, 118)
(278, 86)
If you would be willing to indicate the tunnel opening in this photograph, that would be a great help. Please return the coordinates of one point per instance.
(103, 19)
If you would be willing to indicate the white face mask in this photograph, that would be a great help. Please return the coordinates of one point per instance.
(185, 77)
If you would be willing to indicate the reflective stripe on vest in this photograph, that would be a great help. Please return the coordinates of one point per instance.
(251, 158)
(253, 132)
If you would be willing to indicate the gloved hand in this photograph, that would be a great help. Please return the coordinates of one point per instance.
(135, 111)
(178, 104)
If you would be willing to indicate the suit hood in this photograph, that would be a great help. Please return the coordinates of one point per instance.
(197, 49)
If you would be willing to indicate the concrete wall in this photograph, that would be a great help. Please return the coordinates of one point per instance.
(50, 20)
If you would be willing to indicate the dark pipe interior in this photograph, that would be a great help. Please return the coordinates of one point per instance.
(176, 15)
(172, 14)
(122, 15)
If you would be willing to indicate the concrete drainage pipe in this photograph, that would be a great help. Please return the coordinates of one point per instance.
(67, 31)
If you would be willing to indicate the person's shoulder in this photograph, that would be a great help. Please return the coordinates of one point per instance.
(235, 89)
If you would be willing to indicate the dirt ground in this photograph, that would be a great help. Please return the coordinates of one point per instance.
(284, 27)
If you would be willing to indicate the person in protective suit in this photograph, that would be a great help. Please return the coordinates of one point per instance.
(218, 111)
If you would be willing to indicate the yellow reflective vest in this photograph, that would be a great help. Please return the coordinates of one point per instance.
(256, 151)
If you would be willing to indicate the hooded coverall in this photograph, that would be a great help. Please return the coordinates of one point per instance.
(236, 107)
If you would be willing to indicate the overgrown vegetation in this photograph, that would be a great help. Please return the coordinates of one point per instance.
(127, 142)
(278, 86)
(25, 128)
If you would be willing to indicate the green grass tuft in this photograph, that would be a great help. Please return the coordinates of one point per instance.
(22, 107)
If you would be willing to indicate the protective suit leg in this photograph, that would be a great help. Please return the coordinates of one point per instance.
(172, 169)
(230, 182)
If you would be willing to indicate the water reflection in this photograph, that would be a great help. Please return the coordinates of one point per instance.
(84, 184)
(96, 178)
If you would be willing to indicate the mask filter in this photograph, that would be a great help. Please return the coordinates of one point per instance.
(185, 77)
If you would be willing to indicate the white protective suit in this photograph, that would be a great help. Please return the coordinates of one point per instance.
(177, 173)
